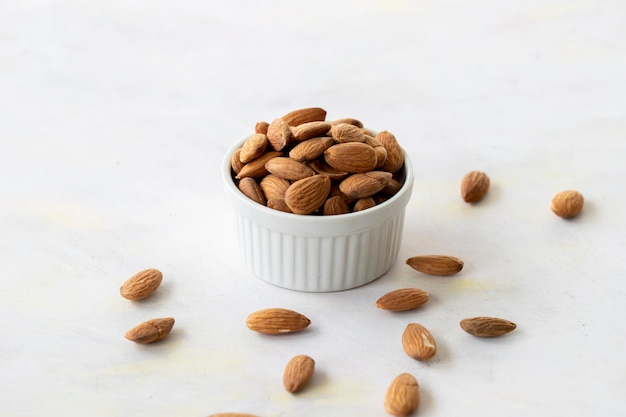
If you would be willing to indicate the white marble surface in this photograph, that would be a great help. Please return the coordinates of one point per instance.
(114, 118)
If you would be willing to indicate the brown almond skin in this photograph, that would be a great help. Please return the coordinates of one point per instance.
(402, 398)
(395, 156)
(310, 130)
(289, 169)
(141, 285)
(278, 204)
(253, 147)
(256, 167)
(345, 132)
(235, 161)
(321, 167)
(364, 184)
(567, 204)
(274, 187)
(310, 149)
(251, 189)
(483, 326)
(474, 186)
(305, 115)
(418, 342)
(261, 127)
(307, 195)
(335, 205)
(276, 321)
(278, 134)
(363, 204)
(298, 373)
(354, 157)
(150, 331)
(441, 265)
(348, 120)
(403, 299)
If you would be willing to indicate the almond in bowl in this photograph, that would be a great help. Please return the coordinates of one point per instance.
(335, 196)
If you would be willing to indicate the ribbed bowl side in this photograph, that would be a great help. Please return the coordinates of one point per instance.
(319, 264)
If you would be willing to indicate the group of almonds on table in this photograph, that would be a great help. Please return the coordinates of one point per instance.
(314, 161)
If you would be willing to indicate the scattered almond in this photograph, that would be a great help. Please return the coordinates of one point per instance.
(418, 342)
(567, 204)
(436, 264)
(487, 326)
(151, 330)
(402, 398)
(277, 321)
(474, 186)
(298, 373)
(402, 299)
(141, 285)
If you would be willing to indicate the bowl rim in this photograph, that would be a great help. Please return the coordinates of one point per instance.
(382, 211)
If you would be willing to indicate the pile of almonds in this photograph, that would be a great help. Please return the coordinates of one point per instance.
(300, 163)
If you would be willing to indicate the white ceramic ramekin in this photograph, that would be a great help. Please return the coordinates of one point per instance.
(318, 253)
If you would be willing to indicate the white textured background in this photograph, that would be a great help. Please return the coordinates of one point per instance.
(114, 119)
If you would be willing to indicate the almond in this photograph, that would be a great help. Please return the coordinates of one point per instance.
(309, 114)
(474, 186)
(347, 120)
(344, 132)
(363, 204)
(395, 155)
(253, 147)
(567, 204)
(277, 321)
(364, 185)
(298, 373)
(418, 342)
(487, 326)
(151, 330)
(306, 195)
(403, 299)
(249, 187)
(235, 162)
(402, 398)
(256, 167)
(278, 134)
(355, 157)
(392, 187)
(278, 204)
(289, 169)
(335, 205)
(310, 130)
(310, 149)
(274, 187)
(261, 127)
(141, 285)
(321, 167)
(436, 264)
